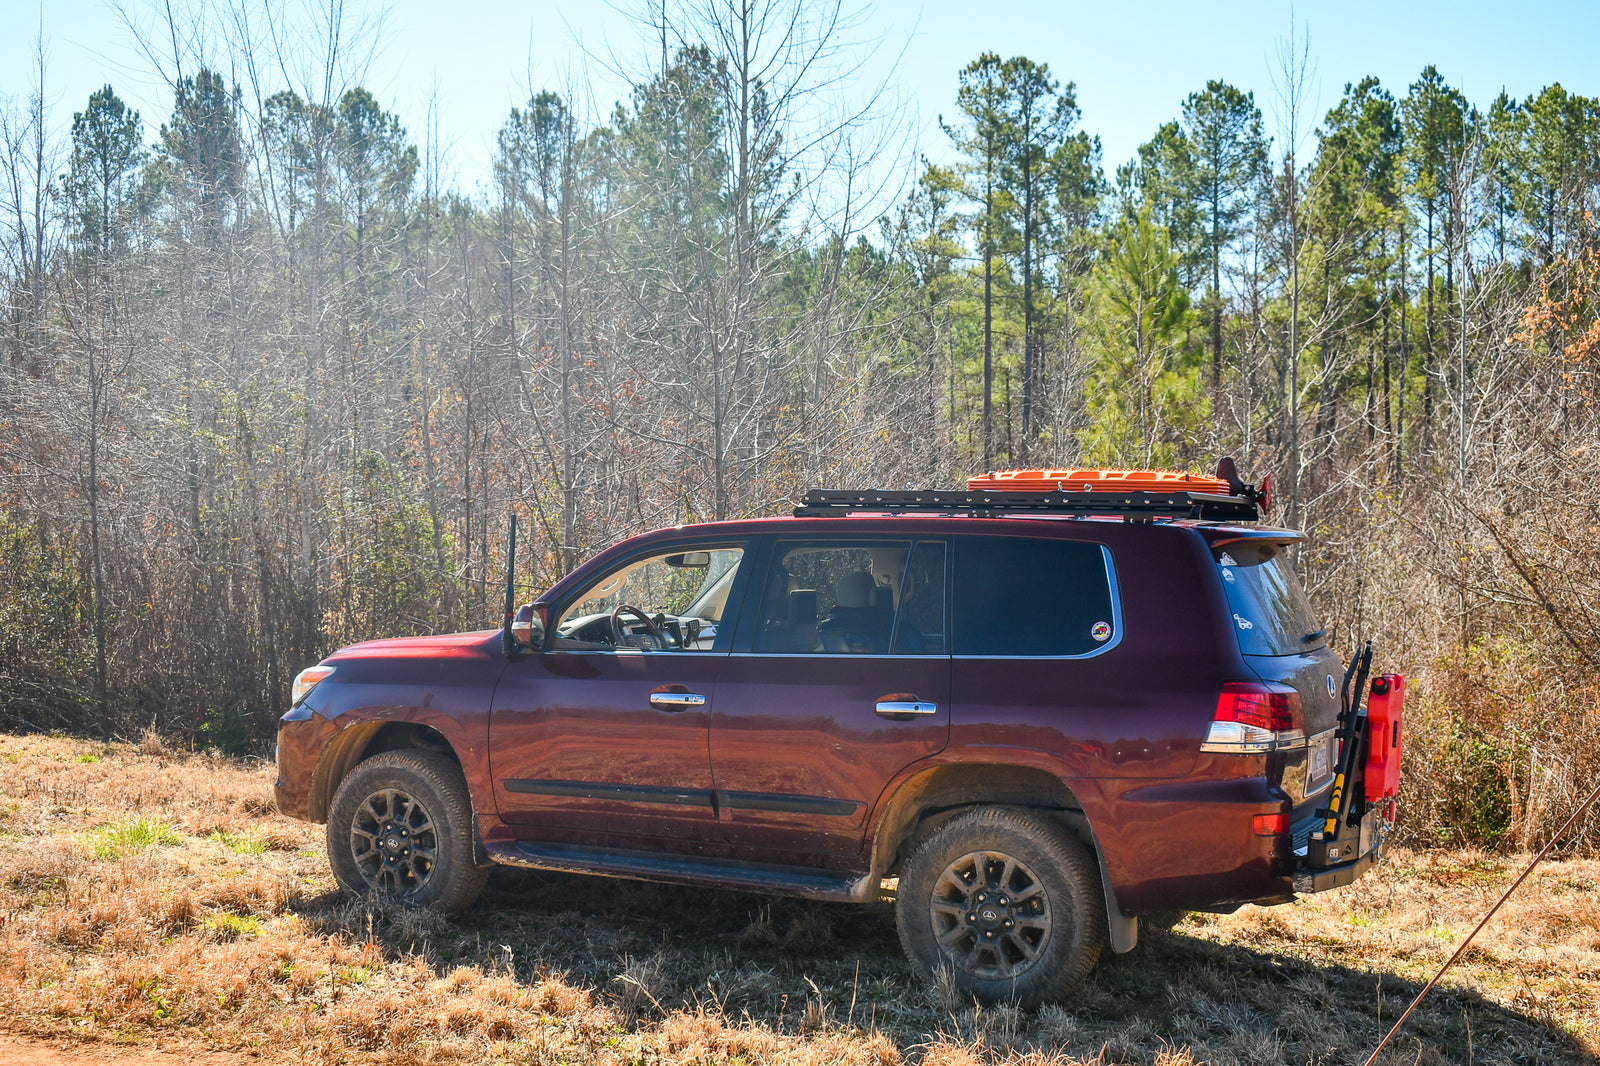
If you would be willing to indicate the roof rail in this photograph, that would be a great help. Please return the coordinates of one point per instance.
(1131, 506)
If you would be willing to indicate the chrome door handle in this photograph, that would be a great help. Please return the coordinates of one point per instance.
(899, 708)
(676, 701)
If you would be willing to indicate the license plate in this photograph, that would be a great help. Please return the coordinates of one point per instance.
(1320, 759)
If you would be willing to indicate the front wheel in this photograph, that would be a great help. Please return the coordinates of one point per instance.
(401, 826)
(1007, 901)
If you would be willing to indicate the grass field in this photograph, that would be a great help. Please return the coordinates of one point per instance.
(152, 894)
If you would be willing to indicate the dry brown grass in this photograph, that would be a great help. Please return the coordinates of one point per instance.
(229, 934)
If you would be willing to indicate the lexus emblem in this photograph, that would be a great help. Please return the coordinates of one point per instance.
(1332, 692)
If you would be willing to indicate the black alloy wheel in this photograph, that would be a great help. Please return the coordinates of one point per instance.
(990, 915)
(393, 842)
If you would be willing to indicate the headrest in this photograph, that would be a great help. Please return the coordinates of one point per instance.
(855, 590)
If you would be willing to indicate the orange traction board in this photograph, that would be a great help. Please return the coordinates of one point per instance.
(1097, 481)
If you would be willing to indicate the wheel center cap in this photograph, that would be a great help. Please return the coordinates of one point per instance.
(392, 843)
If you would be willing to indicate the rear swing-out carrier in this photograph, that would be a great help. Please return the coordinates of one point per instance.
(1361, 806)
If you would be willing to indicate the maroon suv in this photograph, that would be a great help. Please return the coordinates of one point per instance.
(1027, 718)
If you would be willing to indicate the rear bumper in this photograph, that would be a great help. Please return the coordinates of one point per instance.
(1191, 846)
(1309, 878)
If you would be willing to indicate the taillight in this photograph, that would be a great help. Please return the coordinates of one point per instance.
(1255, 716)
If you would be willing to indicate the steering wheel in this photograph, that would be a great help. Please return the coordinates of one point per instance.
(651, 638)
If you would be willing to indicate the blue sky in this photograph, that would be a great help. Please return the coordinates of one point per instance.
(1133, 62)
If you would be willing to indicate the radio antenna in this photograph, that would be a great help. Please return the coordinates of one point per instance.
(507, 641)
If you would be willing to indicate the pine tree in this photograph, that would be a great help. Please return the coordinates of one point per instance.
(1222, 126)
(106, 155)
(1436, 133)
(1039, 115)
(985, 101)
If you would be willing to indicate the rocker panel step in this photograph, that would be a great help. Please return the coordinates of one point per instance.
(686, 869)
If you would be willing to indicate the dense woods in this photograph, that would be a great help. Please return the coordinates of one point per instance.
(269, 385)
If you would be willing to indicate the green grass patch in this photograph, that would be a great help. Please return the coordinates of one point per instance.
(238, 843)
(228, 926)
(116, 839)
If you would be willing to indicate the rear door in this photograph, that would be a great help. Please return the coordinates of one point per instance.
(1037, 620)
(841, 680)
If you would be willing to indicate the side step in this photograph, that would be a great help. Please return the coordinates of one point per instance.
(685, 869)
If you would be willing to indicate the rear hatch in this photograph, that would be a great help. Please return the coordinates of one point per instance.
(1281, 640)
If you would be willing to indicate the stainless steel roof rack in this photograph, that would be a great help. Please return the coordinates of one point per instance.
(1132, 506)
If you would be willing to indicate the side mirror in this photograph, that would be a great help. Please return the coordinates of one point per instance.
(528, 628)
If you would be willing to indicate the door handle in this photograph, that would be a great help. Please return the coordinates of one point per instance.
(676, 701)
(906, 707)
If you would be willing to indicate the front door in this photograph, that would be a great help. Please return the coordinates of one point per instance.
(842, 681)
(603, 738)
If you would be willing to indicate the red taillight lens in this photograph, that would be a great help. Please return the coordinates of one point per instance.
(1254, 717)
(1271, 825)
(1263, 705)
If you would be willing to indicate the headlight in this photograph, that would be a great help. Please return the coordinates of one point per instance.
(306, 680)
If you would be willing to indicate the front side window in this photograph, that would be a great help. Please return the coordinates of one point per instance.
(831, 598)
(670, 601)
(1028, 596)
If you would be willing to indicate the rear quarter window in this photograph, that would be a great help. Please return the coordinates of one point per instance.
(1271, 615)
(1028, 596)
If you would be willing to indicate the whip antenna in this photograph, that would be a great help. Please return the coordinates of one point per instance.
(507, 641)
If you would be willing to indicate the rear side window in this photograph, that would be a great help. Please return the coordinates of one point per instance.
(864, 598)
(1031, 596)
(1271, 615)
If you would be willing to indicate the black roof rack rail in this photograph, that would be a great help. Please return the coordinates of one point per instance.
(1133, 506)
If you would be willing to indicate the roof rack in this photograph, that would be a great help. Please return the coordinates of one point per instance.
(1131, 506)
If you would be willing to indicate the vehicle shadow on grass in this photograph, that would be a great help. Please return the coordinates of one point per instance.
(798, 966)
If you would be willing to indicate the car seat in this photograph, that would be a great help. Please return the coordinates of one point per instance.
(789, 620)
(861, 617)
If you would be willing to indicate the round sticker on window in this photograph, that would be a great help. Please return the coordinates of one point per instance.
(1101, 630)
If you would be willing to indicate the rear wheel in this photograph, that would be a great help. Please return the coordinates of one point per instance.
(1007, 901)
(401, 826)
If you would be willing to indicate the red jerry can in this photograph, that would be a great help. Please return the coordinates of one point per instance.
(1384, 705)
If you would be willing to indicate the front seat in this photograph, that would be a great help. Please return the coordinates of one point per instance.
(790, 622)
